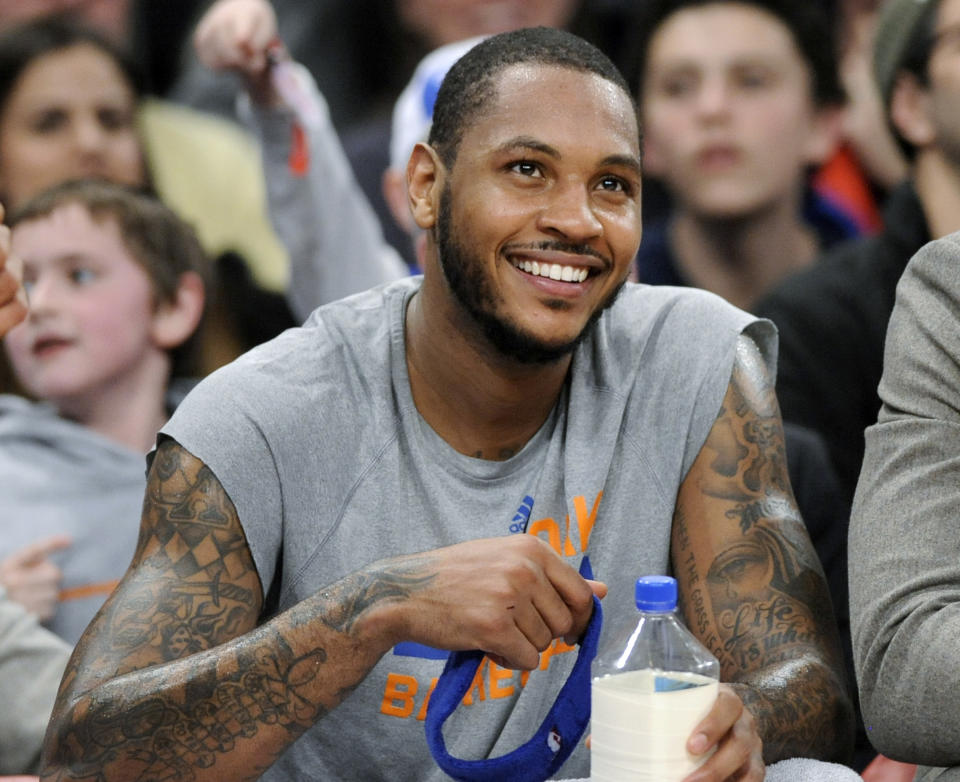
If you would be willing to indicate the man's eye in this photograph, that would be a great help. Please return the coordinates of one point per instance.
(678, 86)
(525, 168)
(614, 184)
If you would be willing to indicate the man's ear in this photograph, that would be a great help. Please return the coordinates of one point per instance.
(425, 174)
(175, 321)
(911, 112)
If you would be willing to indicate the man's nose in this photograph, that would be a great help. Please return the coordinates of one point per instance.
(569, 212)
(713, 97)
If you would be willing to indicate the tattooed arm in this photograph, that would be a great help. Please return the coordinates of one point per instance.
(174, 679)
(751, 585)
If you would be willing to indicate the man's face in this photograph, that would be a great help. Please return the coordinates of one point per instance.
(728, 113)
(943, 72)
(539, 217)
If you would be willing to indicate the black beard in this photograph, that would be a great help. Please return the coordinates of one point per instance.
(471, 287)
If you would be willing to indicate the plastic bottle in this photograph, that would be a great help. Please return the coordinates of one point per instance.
(653, 682)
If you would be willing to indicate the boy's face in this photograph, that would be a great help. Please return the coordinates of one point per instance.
(92, 310)
(728, 111)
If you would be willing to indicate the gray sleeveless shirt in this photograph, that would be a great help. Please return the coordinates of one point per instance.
(318, 443)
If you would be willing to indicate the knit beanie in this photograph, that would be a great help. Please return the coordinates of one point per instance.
(898, 23)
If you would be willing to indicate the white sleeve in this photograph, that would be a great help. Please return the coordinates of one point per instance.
(32, 661)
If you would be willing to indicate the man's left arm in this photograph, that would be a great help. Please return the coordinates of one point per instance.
(751, 586)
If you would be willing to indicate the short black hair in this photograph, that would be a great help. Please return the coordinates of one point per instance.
(808, 22)
(468, 87)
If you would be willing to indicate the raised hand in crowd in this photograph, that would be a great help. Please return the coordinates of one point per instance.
(241, 36)
(32, 579)
(13, 297)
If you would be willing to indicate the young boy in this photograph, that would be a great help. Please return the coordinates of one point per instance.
(739, 100)
(116, 285)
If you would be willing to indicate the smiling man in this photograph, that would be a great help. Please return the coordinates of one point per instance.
(431, 465)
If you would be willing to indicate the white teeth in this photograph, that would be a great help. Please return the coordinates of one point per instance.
(554, 271)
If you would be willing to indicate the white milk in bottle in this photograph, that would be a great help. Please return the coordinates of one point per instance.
(653, 682)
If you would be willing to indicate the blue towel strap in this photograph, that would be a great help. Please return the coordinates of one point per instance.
(540, 757)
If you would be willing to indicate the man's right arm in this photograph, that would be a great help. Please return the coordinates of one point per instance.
(175, 679)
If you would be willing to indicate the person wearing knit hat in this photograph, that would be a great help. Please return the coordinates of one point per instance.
(901, 41)
(832, 318)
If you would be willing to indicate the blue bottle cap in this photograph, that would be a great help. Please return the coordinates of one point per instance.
(656, 593)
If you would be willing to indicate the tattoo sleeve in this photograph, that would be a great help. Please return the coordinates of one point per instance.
(751, 586)
(174, 679)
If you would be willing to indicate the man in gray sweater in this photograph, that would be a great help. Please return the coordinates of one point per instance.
(904, 548)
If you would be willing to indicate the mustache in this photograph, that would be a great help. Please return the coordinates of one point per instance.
(556, 245)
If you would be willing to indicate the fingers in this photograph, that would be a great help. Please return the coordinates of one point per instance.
(40, 596)
(236, 35)
(31, 579)
(38, 551)
(731, 728)
(13, 298)
(510, 597)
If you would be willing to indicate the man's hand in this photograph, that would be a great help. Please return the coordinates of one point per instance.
(509, 597)
(240, 36)
(31, 579)
(13, 297)
(732, 730)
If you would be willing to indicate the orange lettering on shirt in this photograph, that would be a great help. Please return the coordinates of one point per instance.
(398, 695)
(497, 676)
(477, 683)
(568, 549)
(585, 520)
(552, 529)
(557, 647)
